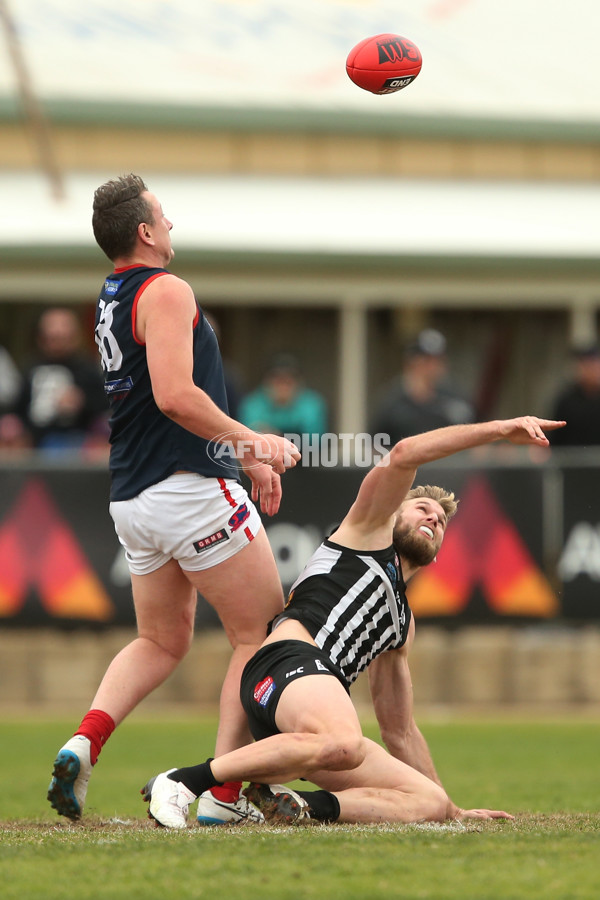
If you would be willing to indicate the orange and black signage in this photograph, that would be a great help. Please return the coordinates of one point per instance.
(40, 553)
(502, 559)
(483, 550)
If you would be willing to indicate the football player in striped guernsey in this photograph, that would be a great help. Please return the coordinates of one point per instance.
(348, 612)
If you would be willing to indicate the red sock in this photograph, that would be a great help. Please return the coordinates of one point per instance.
(98, 727)
(228, 792)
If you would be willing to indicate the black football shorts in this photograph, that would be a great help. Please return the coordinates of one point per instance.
(268, 673)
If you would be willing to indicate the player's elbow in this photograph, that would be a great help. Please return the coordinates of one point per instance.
(400, 737)
(170, 409)
(398, 744)
(401, 455)
(169, 403)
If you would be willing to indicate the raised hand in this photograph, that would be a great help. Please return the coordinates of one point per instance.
(529, 430)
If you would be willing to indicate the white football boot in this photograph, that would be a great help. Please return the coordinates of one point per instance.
(217, 812)
(169, 801)
(72, 769)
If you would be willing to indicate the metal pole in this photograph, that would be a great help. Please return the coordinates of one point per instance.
(34, 114)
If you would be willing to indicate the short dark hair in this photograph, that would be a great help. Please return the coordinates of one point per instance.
(118, 209)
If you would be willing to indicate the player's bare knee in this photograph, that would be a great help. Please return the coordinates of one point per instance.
(176, 645)
(342, 752)
(181, 648)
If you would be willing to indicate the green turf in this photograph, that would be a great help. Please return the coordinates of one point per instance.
(547, 773)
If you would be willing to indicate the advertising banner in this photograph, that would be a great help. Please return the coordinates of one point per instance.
(578, 566)
(61, 563)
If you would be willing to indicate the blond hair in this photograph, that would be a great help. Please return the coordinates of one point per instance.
(445, 498)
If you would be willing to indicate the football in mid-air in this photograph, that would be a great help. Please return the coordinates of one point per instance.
(384, 63)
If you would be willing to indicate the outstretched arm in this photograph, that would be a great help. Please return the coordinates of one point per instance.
(384, 488)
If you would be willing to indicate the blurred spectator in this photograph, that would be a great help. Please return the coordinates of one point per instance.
(12, 433)
(10, 381)
(282, 404)
(578, 401)
(14, 437)
(62, 400)
(421, 398)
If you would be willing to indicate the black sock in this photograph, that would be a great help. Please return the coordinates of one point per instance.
(196, 778)
(322, 805)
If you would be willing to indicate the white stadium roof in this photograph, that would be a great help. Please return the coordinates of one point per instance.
(515, 59)
(345, 216)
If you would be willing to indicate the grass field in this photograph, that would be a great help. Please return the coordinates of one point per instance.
(546, 773)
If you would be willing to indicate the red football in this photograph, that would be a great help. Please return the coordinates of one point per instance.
(384, 63)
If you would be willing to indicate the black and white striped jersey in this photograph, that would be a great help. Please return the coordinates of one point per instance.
(353, 603)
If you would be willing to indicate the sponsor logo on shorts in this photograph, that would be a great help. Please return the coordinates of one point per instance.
(239, 517)
(319, 666)
(263, 691)
(217, 538)
(298, 671)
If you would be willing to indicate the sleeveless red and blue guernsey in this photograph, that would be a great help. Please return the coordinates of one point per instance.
(147, 446)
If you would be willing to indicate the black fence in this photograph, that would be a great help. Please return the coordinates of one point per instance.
(525, 544)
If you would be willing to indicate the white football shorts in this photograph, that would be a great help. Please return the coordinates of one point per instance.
(198, 521)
